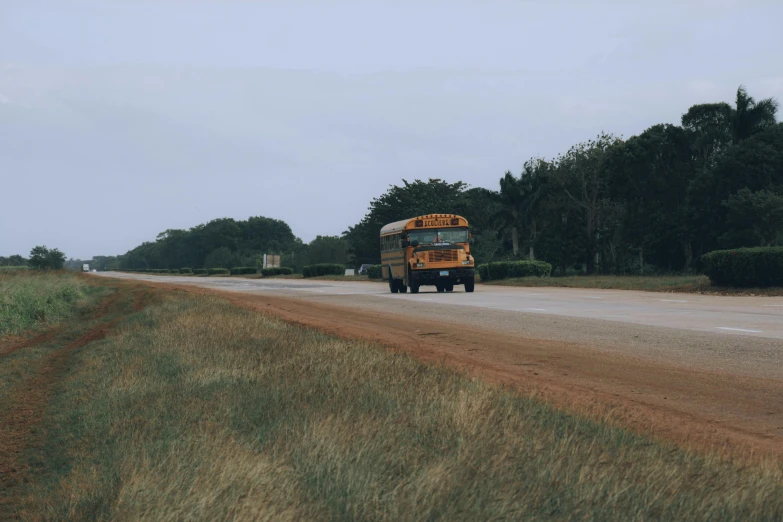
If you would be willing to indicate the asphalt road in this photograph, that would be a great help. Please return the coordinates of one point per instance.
(722, 315)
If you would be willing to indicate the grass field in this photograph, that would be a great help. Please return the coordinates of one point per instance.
(12, 268)
(192, 408)
(684, 283)
(29, 299)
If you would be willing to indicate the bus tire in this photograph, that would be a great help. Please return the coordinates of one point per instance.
(449, 288)
(440, 288)
(393, 288)
(414, 289)
(469, 284)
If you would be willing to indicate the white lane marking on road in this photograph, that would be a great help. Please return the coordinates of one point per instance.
(593, 297)
(738, 329)
(773, 306)
(674, 301)
(536, 309)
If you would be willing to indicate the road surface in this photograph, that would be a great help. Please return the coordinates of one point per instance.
(726, 315)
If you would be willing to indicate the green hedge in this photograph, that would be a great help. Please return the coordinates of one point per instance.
(375, 272)
(241, 270)
(745, 267)
(217, 271)
(200, 271)
(507, 269)
(283, 270)
(323, 269)
(185, 271)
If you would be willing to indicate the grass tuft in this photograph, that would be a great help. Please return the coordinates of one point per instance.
(31, 299)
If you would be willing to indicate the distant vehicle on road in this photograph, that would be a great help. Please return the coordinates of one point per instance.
(427, 250)
(85, 267)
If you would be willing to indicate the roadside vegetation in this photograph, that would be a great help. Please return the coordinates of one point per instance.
(696, 284)
(193, 408)
(29, 300)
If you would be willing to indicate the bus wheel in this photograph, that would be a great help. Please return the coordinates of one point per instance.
(469, 285)
(414, 289)
(440, 288)
(449, 288)
(392, 284)
(401, 288)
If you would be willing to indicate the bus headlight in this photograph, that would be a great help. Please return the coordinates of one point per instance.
(466, 262)
(420, 265)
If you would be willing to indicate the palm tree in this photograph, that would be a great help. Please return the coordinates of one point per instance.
(750, 117)
(521, 198)
(512, 198)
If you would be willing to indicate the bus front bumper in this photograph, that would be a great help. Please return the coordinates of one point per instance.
(445, 275)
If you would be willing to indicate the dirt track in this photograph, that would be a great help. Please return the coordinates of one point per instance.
(22, 412)
(732, 411)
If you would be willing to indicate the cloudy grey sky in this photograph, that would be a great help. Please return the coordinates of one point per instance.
(120, 119)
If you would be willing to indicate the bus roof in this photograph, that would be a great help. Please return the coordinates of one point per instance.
(407, 224)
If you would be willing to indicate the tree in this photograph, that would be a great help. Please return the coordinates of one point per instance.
(176, 248)
(14, 260)
(754, 219)
(482, 208)
(42, 258)
(714, 127)
(411, 199)
(328, 249)
(222, 257)
(750, 117)
(512, 197)
(755, 164)
(522, 198)
(581, 174)
(649, 179)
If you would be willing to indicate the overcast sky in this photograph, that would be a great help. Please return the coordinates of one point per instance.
(119, 120)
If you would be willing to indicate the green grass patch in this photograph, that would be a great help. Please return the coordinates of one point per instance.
(31, 299)
(196, 409)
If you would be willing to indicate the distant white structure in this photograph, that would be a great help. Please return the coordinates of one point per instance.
(350, 271)
(85, 267)
(271, 261)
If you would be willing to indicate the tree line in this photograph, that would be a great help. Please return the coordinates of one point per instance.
(652, 203)
(225, 243)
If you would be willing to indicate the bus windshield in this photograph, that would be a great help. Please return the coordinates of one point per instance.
(433, 236)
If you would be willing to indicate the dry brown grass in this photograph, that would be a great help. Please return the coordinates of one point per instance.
(200, 410)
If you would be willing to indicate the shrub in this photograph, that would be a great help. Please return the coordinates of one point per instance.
(240, 270)
(745, 267)
(273, 271)
(507, 269)
(375, 272)
(323, 269)
(185, 271)
(217, 271)
(200, 271)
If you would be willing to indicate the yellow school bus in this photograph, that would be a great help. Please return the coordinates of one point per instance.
(427, 250)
